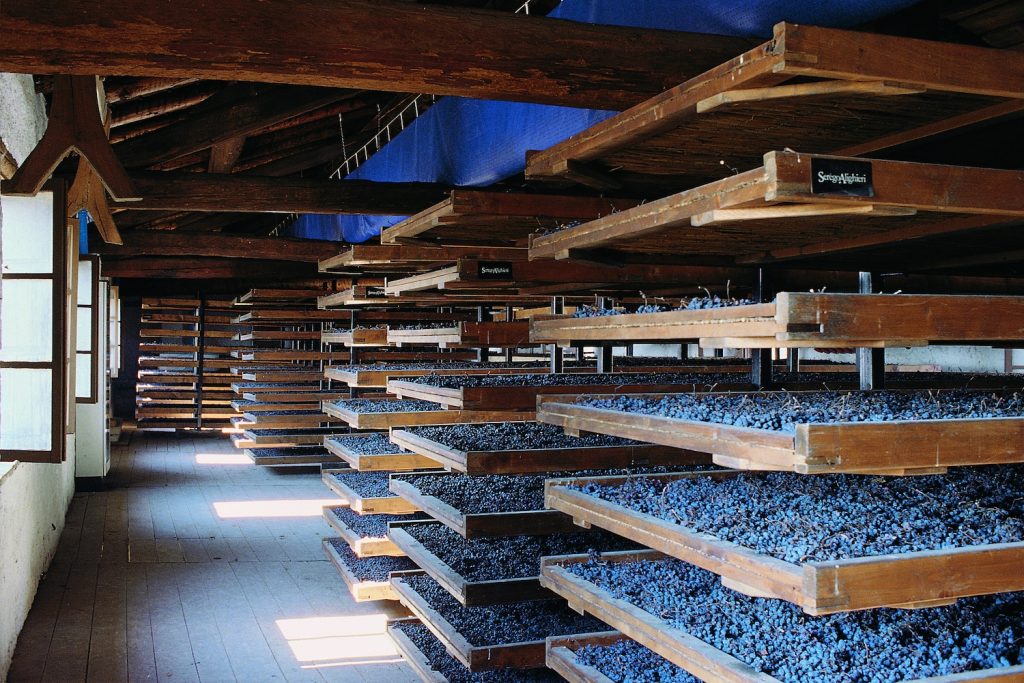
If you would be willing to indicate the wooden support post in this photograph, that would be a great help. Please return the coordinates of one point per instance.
(793, 359)
(557, 356)
(684, 351)
(604, 358)
(510, 316)
(761, 359)
(870, 362)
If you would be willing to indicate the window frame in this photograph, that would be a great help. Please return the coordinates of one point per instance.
(93, 353)
(57, 365)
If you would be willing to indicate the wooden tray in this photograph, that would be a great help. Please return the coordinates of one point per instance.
(801, 89)
(300, 437)
(535, 461)
(480, 525)
(525, 397)
(805, 319)
(272, 420)
(362, 591)
(383, 462)
(416, 660)
(524, 655)
(362, 546)
(380, 378)
(256, 405)
(468, 593)
(393, 505)
(283, 375)
(561, 656)
(911, 580)
(897, 447)
(420, 417)
(292, 397)
(680, 648)
(484, 334)
(303, 455)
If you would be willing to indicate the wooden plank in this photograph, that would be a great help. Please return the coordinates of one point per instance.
(480, 334)
(294, 457)
(482, 525)
(379, 378)
(401, 255)
(535, 460)
(816, 587)
(816, 89)
(566, 63)
(468, 593)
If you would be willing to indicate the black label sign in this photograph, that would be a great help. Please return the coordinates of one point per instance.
(375, 292)
(495, 270)
(842, 177)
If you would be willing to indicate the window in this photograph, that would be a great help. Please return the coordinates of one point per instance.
(33, 251)
(87, 332)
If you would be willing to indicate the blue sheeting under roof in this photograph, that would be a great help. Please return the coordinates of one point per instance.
(475, 143)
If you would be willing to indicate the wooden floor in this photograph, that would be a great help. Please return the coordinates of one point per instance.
(196, 565)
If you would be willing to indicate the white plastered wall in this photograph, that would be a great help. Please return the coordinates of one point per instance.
(34, 498)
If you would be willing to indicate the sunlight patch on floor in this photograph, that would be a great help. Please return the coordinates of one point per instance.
(238, 509)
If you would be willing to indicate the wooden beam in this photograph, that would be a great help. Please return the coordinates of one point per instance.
(151, 243)
(224, 155)
(8, 164)
(224, 192)
(237, 117)
(202, 268)
(162, 103)
(431, 49)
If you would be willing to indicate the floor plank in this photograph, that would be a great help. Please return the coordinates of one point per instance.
(190, 569)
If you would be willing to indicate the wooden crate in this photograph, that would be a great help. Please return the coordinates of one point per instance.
(561, 656)
(486, 334)
(392, 505)
(680, 648)
(529, 461)
(362, 546)
(468, 593)
(799, 89)
(525, 397)
(897, 447)
(916, 579)
(290, 456)
(807, 319)
(420, 417)
(362, 591)
(382, 462)
(524, 655)
(479, 525)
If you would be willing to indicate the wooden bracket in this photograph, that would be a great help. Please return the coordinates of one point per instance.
(816, 89)
(8, 164)
(87, 192)
(75, 125)
(586, 175)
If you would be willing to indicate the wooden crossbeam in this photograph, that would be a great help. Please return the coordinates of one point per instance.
(154, 243)
(202, 268)
(224, 155)
(174, 191)
(418, 49)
